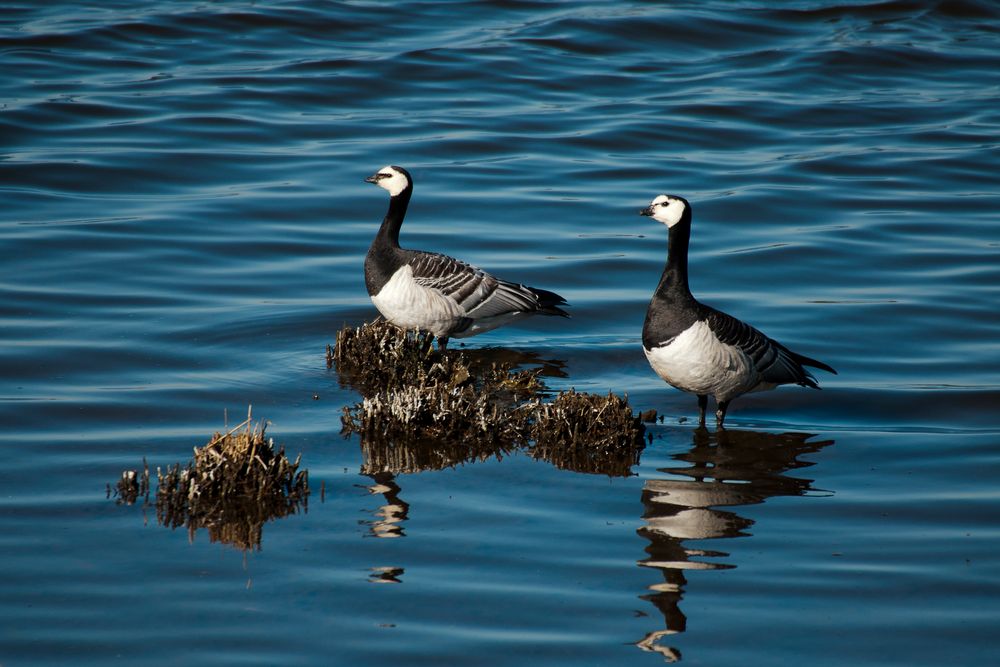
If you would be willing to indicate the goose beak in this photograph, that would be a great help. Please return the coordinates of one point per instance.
(646, 211)
(372, 179)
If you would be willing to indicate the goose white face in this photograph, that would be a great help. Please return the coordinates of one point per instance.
(666, 209)
(393, 179)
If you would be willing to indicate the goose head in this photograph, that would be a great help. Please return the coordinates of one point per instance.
(667, 209)
(393, 179)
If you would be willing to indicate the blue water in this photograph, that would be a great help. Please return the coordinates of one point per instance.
(183, 221)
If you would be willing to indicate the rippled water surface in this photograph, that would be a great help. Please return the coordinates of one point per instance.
(183, 221)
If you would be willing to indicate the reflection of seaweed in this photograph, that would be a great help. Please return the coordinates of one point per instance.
(131, 486)
(384, 455)
(234, 484)
(726, 469)
(424, 409)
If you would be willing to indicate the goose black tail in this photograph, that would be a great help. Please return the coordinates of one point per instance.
(549, 302)
(806, 361)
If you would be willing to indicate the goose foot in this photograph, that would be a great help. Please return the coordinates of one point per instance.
(720, 414)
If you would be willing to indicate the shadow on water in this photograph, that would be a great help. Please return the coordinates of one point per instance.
(480, 358)
(721, 469)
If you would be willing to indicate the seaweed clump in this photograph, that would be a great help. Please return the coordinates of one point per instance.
(234, 484)
(588, 433)
(380, 357)
(427, 409)
(413, 392)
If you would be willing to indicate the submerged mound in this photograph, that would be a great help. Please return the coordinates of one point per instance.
(423, 409)
(234, 484)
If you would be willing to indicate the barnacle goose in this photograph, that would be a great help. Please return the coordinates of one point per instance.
(699, 349)
(432, 292)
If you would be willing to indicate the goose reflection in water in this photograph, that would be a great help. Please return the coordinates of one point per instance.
(722, 469)
(388, 522)
(389, 517)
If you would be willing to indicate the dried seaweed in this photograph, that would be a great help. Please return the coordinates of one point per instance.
(424, 409)
(588, 433)
(234, 484)
(413, 392)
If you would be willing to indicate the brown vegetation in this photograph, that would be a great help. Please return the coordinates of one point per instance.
(236, 482)
(588, 433)
(426, 409)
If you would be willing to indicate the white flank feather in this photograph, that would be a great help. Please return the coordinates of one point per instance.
(409, 305)
(697, 362)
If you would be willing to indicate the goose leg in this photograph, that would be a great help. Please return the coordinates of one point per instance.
(702, 404)
(720, 414)
(442, 343)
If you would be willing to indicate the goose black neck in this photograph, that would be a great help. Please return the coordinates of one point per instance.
(384, 255)
(674, 282)
(393, 220)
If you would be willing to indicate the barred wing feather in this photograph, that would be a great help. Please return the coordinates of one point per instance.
(478, 293)
(775, 362)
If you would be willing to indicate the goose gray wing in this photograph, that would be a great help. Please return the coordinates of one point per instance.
(478, 293)
(775, 362)
(506, 298)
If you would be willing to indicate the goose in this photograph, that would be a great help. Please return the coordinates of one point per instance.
(447, 297)
(699, 349)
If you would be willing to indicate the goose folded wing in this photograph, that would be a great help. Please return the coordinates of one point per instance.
(505, 298)
(477, 292)
(775, 363)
